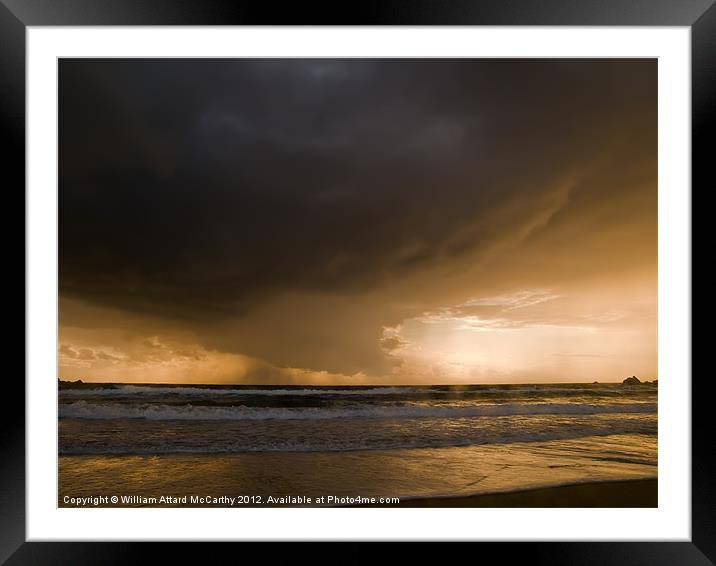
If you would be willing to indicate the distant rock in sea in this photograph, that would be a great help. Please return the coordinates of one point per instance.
(633, 380)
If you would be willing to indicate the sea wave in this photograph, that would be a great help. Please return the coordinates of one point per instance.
(85, 410)
(116, 390)
(229, 445)
(139, 390)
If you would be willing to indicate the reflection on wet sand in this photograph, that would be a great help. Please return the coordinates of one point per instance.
(414, 473)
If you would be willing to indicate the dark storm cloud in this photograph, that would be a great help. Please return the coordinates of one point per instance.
(201, 188)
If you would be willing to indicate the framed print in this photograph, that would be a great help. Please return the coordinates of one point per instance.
(363, 281)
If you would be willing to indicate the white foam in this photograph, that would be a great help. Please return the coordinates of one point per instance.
(130, 390)
(85, 410)
(150, 390)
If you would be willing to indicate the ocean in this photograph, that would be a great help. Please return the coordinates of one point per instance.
(293, 442)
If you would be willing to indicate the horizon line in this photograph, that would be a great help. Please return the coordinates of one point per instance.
(352, 384)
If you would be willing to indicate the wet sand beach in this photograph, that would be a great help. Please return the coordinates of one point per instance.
(533, 474)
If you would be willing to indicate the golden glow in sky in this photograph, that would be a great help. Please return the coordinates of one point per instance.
(365, 222)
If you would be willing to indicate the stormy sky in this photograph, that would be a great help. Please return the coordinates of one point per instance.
(357, 221)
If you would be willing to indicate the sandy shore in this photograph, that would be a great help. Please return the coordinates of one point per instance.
(511, 475)
(627, 493)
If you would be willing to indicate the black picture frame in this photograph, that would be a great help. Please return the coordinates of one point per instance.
(16, 15)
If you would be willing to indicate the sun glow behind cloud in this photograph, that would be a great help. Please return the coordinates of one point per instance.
(529, 335)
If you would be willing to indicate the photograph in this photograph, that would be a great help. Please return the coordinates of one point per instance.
(357, 282)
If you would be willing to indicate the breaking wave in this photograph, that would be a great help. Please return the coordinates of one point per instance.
(85, 410)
